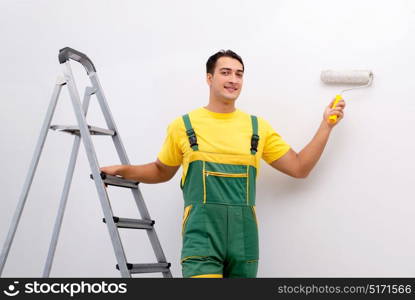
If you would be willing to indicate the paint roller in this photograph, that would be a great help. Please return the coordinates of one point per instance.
(349, 77)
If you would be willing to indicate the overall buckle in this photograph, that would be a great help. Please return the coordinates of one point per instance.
(192, 137)
(254, 142)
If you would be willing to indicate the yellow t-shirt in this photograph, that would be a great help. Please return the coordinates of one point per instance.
(228, 133)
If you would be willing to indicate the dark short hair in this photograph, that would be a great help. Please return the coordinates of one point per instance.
(211, 62)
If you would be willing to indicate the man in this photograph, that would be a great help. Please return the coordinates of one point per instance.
(220, 148)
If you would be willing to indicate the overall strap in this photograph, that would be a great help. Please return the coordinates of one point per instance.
(190, 133)
(255, 136)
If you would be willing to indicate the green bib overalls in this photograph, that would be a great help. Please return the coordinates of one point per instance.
(220, 231)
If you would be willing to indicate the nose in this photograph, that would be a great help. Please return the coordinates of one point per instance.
(234, 79)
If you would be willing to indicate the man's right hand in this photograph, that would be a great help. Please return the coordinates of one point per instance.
(154, 172)
(111, 170)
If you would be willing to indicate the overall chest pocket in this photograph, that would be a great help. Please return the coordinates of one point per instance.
(225, 183)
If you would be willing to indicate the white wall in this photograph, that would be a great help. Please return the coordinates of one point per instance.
(353, 216)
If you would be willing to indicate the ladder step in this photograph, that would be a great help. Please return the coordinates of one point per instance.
(132, 223)
(118, 181)
(147, 268)
(74, 129)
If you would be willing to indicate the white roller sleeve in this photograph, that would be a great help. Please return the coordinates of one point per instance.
(346, 76)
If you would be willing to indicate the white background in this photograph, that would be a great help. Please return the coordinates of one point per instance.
(353, 215)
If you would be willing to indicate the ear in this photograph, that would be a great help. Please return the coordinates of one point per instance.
(209, 79)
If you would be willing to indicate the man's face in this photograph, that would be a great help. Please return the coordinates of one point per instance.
(226, 81)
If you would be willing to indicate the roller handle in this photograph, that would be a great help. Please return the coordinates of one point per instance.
(333, 118)
(68, 53)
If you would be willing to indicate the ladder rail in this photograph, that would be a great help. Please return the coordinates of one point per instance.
(94, 166)
(31, 173)
(152, 235)
(65, 192)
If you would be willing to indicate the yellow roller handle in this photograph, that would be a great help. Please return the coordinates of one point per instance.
(333, 118)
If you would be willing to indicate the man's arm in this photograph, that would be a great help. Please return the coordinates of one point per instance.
(299, 165)
(154, 172)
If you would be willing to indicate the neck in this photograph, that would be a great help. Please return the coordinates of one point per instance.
(220, 105)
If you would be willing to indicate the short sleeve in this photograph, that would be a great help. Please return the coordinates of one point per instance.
(274, 146)
(170, 153)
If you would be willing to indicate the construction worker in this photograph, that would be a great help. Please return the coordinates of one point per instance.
(220, 148)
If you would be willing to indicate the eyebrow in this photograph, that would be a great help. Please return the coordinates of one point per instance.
(229, 69)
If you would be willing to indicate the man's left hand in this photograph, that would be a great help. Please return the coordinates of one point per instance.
(338, 111)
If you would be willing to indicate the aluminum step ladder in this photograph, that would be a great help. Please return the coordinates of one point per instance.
(83, 132)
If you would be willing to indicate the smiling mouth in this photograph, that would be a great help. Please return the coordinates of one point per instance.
(231, 89)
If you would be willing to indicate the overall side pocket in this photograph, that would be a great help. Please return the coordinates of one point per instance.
(254, 214)
(186, 216)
